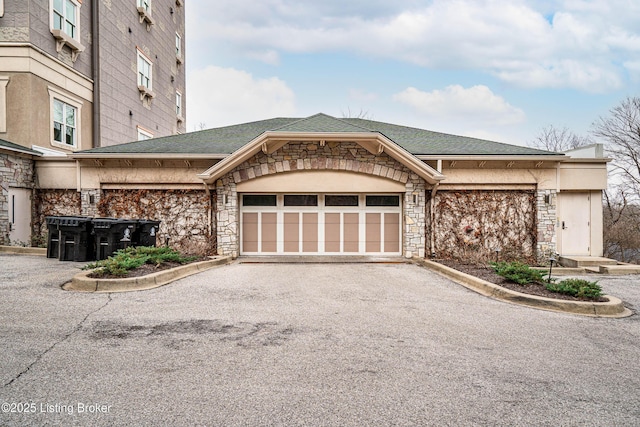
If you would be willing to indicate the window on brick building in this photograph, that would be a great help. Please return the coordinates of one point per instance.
(178, 46)
(144, 134)
(178, 104)
(65, 15)
(145, 68)
(65, 119)
(65, 124)
(145, 4)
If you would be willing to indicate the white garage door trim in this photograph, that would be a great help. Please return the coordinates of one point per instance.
(312, 230)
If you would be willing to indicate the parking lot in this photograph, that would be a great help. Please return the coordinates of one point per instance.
(306, 344)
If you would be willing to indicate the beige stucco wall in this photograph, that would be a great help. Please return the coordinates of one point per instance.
(583, 176)
(141, 173)
(28, 112)
(56, 174)
(321, 182)
(542, 178)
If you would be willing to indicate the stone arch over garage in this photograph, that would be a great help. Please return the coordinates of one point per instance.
(338, 158)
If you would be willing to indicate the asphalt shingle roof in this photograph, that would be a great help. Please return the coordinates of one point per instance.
(15, 147)
(226, 140)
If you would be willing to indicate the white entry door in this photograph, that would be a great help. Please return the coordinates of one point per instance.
(575, 223)
(20, 216)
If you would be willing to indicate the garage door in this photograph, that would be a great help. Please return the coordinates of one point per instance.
(320, 224)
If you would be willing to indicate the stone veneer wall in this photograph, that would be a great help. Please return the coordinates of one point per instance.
(184, 214)
(52, 203)
(15, 172)
(471, 225)
(546, 217)
(296, 156)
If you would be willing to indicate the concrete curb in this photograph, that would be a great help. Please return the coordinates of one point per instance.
(620, 269)
(562, 271)
(612, 308)
(21, 250)
(82, 283)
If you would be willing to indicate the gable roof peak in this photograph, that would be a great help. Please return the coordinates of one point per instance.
(322, 123)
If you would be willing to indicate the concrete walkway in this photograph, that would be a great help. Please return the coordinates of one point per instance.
(307, 344)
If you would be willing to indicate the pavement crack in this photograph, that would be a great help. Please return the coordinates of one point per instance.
(61, 340)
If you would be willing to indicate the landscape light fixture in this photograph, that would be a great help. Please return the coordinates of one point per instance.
(551, 260)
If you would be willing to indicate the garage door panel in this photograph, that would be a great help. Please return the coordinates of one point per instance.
(288, 226)
(332, 232)
(310, 232)
(351, 232)
(291, 228)
(269, 232)
(372, 227)
(391, 232)
(250, 232)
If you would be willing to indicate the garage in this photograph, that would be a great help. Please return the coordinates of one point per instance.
(320, 224)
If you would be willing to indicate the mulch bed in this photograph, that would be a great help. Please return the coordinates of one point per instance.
(144, 270)
(486, 273)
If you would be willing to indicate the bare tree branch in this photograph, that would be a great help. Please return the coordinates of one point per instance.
(556, 139)
(621, 131)
(362, 114)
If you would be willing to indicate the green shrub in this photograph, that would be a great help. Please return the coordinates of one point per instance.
(131, 258)
(577, 287)
(517, 272)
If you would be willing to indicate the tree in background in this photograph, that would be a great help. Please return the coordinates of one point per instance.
(556, 139)
(621, 228)
(620, 131)
(362, 114)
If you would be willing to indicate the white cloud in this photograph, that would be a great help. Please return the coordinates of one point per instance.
(223, 96)
(270, 56)
(529, 43)
(477, 104)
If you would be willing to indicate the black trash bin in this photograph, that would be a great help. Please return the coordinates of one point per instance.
(53, 238)
(146, 233)
(75, 239)
(112, 234)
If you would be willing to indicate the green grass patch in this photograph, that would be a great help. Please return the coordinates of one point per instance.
(576, 287)
(125, 260)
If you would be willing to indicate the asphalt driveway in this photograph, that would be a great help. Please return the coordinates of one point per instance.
(306, 344)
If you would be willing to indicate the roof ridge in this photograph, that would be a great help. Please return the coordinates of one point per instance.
(296, 121)
(322, 115)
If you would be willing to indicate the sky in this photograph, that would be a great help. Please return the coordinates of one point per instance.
(494, 69)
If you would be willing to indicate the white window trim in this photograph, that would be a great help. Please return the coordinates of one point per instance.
(74, 102)
(139, 4)
(4, 81)
(179, 115)
(63, 38)
(145, 91)
(145, 14)
(179, 58)
(144, 131)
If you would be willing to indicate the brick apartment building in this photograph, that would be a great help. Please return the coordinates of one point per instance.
(76, 75)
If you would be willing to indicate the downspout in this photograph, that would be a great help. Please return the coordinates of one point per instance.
(432, 211)
(210, 211)
(95, 63)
